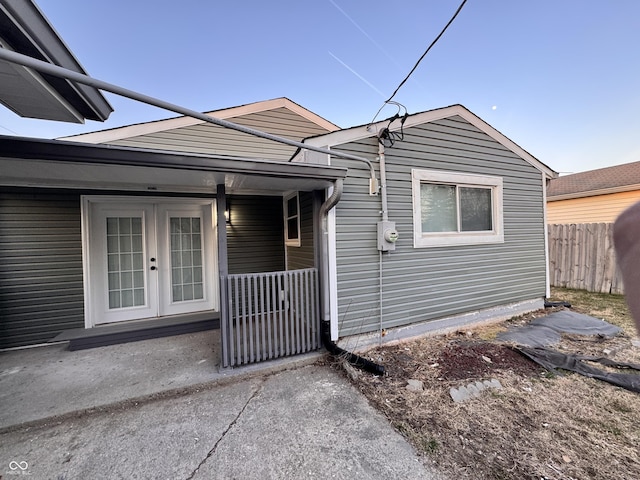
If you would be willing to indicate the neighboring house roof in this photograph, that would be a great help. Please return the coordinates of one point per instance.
(25, 30)
(620, 178)
(365, 131)
(146, 128)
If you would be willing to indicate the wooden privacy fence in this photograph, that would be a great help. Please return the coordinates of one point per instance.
(582, 256)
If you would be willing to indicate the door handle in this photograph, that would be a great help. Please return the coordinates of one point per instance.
(153, 267)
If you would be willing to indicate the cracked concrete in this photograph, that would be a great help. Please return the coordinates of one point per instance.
(302, 423)
(212, 451)
(45, 382)
(162, 439)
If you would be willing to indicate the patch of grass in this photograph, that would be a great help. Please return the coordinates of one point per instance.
(539, 425)
(431, 445)
(489, 332)
(612, 308)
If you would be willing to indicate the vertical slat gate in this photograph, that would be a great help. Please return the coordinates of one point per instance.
(270, 315)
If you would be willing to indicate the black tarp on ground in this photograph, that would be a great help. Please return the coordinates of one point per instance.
(533, 338)
(553, 360)
(545, 331)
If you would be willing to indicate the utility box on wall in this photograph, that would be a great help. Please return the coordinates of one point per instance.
(387, 236)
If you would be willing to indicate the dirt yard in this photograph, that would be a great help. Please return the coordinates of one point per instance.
(539, 425)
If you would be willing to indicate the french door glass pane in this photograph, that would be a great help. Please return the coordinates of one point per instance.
(475, 209)
(186, 259)
(438, 208)
(125, 276)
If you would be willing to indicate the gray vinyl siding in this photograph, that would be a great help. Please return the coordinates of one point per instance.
(41, 290)
(212, 139)
(255, 236)
(303, 256)
(421, 284)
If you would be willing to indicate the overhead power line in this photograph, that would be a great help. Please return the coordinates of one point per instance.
(420, 59)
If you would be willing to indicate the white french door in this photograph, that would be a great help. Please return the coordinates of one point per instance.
(149, 258)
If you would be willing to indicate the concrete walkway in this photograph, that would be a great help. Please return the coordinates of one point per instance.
(49, 381)
(161, 409)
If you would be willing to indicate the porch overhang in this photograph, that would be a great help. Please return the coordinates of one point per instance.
(24, 29)
(28, 162)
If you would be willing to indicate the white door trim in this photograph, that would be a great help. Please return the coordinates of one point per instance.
(91, 271)
(209, 301)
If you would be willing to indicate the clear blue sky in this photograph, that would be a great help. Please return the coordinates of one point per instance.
(561, 78)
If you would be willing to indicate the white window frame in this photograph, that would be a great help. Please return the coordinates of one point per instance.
(291, 242)
(439, 239)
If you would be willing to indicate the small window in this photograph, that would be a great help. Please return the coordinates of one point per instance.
(456, 209)
(292, 220)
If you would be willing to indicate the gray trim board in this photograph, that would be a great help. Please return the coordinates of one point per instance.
(81, 338)
(56, 164)
(442, 325)
(31, 148)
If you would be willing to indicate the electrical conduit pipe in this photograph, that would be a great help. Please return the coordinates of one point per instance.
(325, 315)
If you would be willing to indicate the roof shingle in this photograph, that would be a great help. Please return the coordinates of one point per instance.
(600, 179)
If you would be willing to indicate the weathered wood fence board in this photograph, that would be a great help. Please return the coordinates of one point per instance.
(582, 256)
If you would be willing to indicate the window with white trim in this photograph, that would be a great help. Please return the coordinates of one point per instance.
(452, 208)
(292, 220)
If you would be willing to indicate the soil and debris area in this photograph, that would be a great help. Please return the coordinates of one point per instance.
(538, 425)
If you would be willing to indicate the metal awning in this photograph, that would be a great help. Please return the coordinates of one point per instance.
(28, 162)
(24, 29)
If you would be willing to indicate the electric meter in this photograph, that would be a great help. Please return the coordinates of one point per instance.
(387, 236)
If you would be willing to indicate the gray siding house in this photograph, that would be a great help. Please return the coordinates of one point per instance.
(468, 207)
(99, 241)
(180, 225)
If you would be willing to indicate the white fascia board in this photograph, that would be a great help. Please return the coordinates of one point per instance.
(308, 114)
(366, 131)
(546, 238)
(120, 133)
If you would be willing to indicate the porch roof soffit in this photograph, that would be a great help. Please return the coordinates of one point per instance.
(24, 29)
(353, 134)
(52, 163)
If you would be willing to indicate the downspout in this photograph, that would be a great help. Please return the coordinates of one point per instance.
(325, 315)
